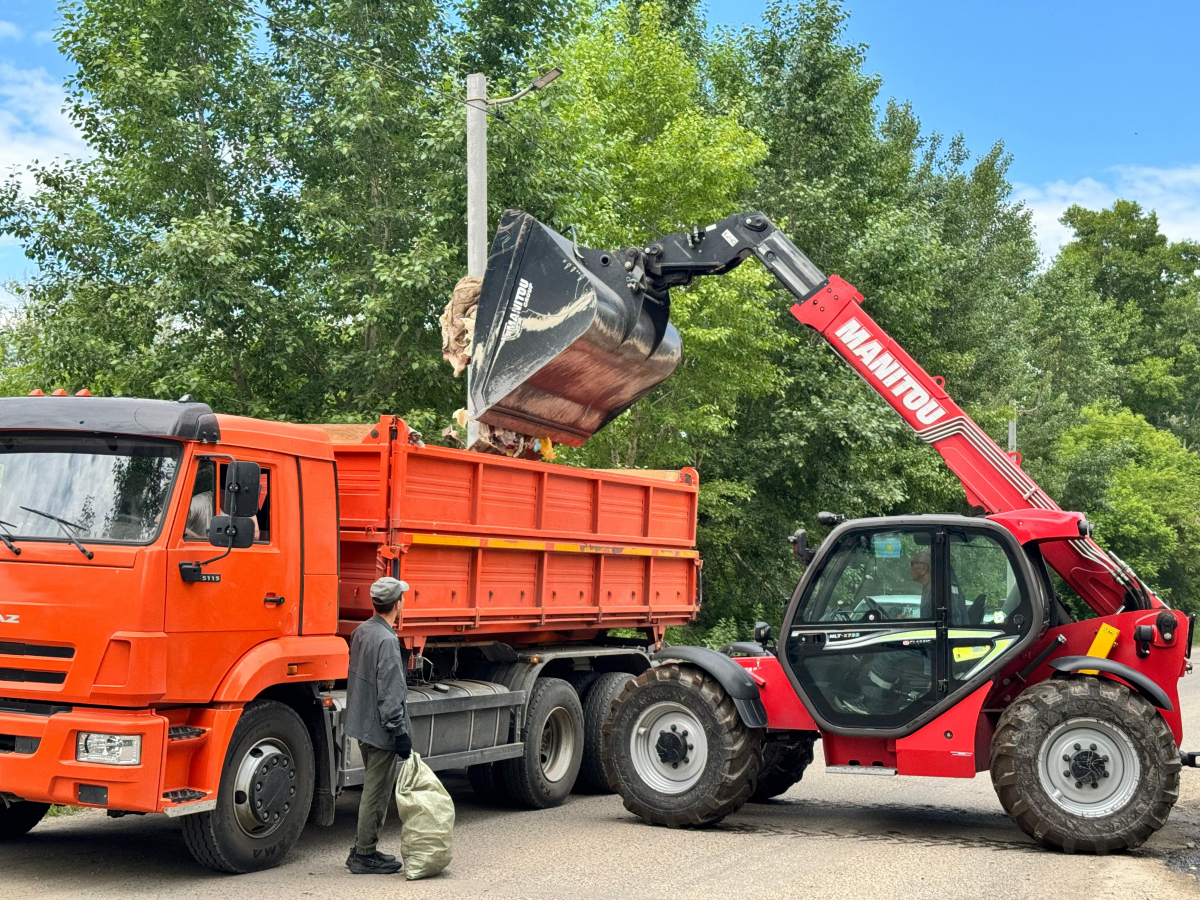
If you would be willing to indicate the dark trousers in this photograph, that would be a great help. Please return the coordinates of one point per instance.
(379, 780)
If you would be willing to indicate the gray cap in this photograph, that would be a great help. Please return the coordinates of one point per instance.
(387, 590)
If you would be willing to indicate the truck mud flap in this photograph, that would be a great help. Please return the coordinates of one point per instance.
(562, 344)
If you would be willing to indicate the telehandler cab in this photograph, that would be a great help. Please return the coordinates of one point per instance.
(913, 645)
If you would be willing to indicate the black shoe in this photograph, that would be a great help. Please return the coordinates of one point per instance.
(375, 864)
(386, 857)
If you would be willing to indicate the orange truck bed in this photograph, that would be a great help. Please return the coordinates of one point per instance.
(506, 549)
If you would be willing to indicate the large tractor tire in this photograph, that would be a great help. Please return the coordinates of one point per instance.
(783, 764)
(265, 793)
(677, 751)
(1085, 765)
(19, 818)
(597, 706)
(544, 775)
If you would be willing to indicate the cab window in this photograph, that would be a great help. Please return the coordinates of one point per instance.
(874, 576)
(989, 603)
(207, 492)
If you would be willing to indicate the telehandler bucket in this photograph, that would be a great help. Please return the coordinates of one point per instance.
(562, 344)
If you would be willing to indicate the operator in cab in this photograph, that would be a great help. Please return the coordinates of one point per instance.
(377, 717)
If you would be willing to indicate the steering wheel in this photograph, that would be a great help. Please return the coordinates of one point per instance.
(840, 615)
(875, 613)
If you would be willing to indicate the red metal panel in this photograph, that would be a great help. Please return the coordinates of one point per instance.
(672, 514)
(946, 746)
(509, 497)
(785, 712)
(857, 751)
(624, 583)
(623, 509)
(436, 493)
(570, 580)
(570, 505)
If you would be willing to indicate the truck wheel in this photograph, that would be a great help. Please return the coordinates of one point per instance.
(265, 792)
(783, 764)
(545, 774)
(1085, 765)
(677, 751)
(597, 706)
(20, 817)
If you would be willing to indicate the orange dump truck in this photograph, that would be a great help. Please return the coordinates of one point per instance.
(177, 589)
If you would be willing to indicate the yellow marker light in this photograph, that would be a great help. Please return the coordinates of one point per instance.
(1101, 646)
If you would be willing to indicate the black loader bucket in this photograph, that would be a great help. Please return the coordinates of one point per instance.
(562, 345)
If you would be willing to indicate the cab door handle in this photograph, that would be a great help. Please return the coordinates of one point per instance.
(273, 600)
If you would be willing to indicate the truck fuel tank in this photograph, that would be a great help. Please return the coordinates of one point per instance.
(563, 344)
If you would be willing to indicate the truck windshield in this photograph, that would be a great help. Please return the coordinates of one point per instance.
(111, 489)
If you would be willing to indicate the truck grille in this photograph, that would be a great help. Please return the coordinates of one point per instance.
(11, 672)
(12, 648)
(33, 676)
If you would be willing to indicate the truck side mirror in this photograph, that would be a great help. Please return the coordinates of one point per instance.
(762, 633)
(242, 485)
(799, 542)
(232, 532)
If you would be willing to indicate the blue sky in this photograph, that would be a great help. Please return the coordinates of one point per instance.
(1095, 100)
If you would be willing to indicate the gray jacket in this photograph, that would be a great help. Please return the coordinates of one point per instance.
(376, 695)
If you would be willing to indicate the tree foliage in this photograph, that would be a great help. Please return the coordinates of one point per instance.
(274, 216)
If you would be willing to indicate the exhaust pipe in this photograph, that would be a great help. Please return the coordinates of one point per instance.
(565, 339)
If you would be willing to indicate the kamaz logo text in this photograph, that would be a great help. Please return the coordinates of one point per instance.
(513, 326)
(9, 620)
(889, 373)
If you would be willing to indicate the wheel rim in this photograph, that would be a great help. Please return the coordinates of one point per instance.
(1088, 767)
(265, 787)
(558, 744)
(668, 747)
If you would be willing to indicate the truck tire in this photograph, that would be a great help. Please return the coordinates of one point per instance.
(677, 751)
(264, 796)
(597, 706)
(783, 764)
(545, 774)
(1085, 765)
(19, 818)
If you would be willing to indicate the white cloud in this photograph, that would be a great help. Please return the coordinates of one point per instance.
(33, 125)
(10, 32)
(43, 37)
(1173, 193)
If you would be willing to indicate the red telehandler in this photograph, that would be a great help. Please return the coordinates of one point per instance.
(913, 645)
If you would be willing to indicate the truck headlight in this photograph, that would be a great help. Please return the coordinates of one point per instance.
(109, 749)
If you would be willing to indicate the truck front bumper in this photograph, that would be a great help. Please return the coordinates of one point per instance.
(41, 764)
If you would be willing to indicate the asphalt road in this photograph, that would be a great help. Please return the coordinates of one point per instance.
(831, 836)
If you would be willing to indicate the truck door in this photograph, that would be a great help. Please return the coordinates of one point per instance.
(898, 619)
(211, 624)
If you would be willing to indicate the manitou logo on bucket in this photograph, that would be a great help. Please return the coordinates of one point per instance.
(889, 373)
(513, 326)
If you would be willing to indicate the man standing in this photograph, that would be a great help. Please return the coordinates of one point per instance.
(377, 717)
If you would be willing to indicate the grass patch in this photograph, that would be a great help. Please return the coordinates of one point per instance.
(56, 811)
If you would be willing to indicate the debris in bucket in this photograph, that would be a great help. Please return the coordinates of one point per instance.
(458, 322)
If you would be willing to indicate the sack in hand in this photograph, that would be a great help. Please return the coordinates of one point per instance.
(427, 811)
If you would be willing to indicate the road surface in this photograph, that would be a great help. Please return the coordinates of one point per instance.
(831, 836)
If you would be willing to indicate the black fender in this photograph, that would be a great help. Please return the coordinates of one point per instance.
(737, 681)
(1137, 680)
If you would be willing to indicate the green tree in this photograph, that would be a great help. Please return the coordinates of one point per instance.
(1141, 489)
